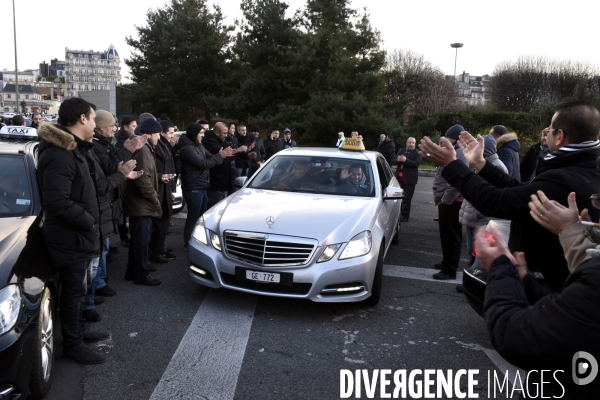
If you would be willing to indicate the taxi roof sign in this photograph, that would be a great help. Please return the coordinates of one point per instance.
(18, 133)
(352, 144)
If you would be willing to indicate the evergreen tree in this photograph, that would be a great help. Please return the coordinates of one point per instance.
(263, 52)
(179, 58)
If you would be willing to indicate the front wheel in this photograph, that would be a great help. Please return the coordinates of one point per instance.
(43, 358)
(377, 281)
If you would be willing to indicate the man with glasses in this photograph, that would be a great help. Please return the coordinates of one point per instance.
(570, 166)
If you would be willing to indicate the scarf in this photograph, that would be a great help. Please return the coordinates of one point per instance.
(572, 148)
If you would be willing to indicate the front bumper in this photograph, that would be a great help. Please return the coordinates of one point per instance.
(314, 281)
(16, 353)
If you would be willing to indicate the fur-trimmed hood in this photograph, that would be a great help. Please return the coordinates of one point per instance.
(506, 138)
(58, 135)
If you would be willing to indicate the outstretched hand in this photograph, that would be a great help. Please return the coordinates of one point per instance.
(552, 215)
(439, 155)
(127, 167)
(134, 174)
(472, 149)
(345, 173)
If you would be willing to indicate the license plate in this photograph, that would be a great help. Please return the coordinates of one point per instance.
(262, 276)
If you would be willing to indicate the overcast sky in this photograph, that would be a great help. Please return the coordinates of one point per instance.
(492, 32)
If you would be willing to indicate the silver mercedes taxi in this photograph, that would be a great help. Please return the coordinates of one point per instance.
(311, 223)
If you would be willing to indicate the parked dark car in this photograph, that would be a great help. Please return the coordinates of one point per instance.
(28, 285)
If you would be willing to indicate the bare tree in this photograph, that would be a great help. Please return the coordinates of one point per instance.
(414, 85)
(531, 82)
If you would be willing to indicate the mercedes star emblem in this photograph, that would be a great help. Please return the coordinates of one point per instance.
(270, 221)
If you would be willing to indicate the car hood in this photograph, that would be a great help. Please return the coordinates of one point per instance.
(13, 232)
(326, 218)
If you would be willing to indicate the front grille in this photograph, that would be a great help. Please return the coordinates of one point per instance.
(296, 288)
(269, 250)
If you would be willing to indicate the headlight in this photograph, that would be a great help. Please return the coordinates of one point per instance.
(10, 304)
(358, 246)
(200, 231)
(214, 239)
(329, 252)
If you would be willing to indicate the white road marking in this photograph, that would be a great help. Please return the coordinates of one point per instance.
(208, 361)
(422, 274)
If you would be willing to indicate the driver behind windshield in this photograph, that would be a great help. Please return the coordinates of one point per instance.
(353, 177)
(296, 177)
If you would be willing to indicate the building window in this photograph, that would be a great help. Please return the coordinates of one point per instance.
(8, 96)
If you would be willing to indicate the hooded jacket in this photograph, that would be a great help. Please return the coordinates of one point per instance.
(140, 198)
(196, 162)
(71, 206)
(508, 151)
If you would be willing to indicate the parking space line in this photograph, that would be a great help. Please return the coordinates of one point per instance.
(209, 358)
(422, 274)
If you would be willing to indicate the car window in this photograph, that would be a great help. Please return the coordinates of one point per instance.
(15, 192)
(326, 175)
(384, 173)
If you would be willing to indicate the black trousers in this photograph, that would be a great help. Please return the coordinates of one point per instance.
(73, 280)
(409, 191)
(450, 236)
(158, 235)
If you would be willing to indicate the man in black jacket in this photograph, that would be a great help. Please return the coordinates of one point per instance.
(165, 168)
(214, 141)
(273, 144)
(407, 173)
(569, 167)
(258, 147)
(195, 179)
(72, 216)
(388, 149)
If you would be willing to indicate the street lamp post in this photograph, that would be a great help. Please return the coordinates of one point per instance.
(456, 46)
(16, 69)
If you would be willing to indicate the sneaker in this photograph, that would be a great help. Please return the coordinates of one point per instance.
(93, 337)
(106, 291)
(91, 315)
(442, 276)
(82, 355)
(148, 281)
(99, 300)
(158, 259)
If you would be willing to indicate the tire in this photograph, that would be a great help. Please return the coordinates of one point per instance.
(396, 238)
(43, 357)
(373, 300)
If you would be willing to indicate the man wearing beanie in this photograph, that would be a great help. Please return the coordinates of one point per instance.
(288, 143)
(109, 158)
(140, 204)
(508, 146)
(448, 201)
(195, 164)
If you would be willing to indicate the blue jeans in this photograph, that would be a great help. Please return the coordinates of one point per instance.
(139, 232)
(101, 273)
(88, 301)
(73, 280)
(470, 236)
(197, 204)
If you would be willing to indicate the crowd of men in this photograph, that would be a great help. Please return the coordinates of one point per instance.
(94, 178)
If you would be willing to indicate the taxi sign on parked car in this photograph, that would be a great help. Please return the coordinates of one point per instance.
(18, 133)
(352, 144)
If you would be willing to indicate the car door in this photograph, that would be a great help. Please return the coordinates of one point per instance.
(390, 209)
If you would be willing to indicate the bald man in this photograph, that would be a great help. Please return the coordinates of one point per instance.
(220, 184)
(407, 173)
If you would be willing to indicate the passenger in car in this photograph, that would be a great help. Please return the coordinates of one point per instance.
(353, 180)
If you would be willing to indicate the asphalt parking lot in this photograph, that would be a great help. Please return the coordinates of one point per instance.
(181, 340)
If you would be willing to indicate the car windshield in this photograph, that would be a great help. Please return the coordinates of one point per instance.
(15, 193)
(322, 175)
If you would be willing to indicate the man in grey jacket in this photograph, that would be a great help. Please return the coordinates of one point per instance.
(448, 201)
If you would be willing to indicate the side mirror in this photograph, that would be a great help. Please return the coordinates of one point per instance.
(239, 182)
(393, 193)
